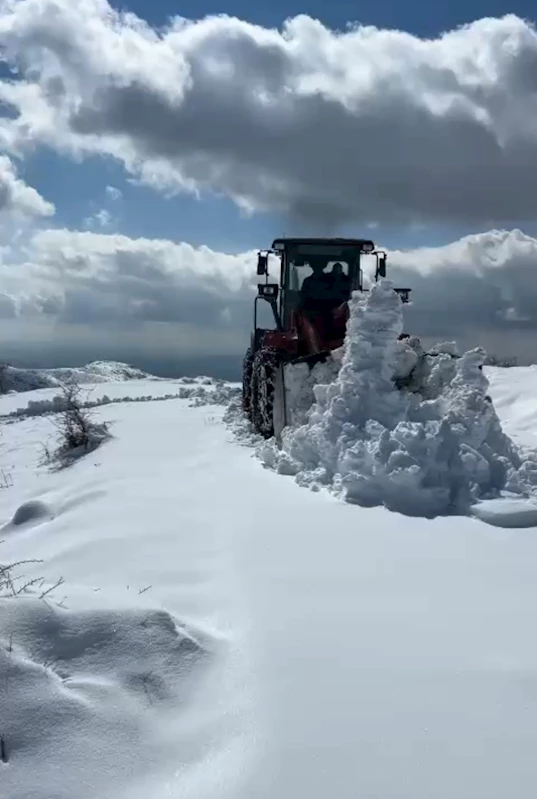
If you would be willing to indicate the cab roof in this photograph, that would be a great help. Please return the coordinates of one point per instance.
(363, 244)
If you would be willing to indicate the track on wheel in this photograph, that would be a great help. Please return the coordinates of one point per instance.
(264, 368)
(247, 364)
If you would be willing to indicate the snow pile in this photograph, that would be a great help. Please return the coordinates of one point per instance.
(14, 379)
(423, 454)
(413, 369)
(300, 383)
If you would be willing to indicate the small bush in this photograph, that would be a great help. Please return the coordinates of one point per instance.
(78, 431)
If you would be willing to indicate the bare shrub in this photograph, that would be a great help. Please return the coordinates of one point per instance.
(12, 581)
(78, 432)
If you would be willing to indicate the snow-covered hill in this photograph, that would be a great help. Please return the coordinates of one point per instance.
(223, 633)
(15, 379)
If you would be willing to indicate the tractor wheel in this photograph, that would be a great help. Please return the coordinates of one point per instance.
(247, 383)
(264, 368)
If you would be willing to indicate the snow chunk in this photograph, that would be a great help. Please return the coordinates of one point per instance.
(434, 448)
(507, 512)
(301, 383)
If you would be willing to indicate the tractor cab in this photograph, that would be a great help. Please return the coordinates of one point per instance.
(309, 303)
(316, 280)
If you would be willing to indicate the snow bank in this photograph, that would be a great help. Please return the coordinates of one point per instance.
(17, 380)
(435, 448)
(200, 394)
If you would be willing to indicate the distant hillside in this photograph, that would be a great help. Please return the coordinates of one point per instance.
(14, 379)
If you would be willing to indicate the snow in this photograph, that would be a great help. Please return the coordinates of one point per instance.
(146, 575)
(74, 672)
(514, 391)
(224, 634)
(435, 448)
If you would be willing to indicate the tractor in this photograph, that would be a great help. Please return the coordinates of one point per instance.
(309, 308)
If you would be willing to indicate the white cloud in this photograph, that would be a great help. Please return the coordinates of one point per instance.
(16, 197)
(484, 282)
(100, 219)
(113, 193)
(368, 125)
(114, 279)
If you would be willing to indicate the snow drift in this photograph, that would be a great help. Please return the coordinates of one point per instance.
(392, 426)
(70, 677)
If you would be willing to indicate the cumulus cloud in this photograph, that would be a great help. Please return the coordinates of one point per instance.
(366, 125)
(16, 197)
(484, 282)
(90, 277)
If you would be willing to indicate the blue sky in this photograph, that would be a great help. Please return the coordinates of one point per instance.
(77, 189)
(417, 16)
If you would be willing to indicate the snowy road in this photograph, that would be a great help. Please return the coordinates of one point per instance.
(353, 652)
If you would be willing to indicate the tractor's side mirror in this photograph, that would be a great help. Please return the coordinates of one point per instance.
(404, 294)
(269, 291)
(381, 265)
(262, 264)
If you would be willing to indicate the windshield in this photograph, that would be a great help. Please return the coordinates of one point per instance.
(300, 269)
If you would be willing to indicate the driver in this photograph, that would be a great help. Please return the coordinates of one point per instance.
(315, 305)
(315, 289)
(339, 284)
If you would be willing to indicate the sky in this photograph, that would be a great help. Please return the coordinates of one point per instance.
(148, 149)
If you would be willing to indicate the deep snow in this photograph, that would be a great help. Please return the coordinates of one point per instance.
(224, 633)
